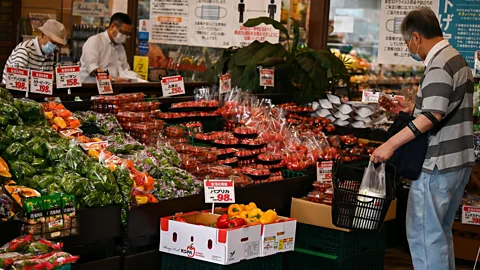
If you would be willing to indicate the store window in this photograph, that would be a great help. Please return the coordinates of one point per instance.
(196, 63)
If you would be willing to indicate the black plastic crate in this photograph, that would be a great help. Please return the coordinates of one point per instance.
(174, 262)
(338, 244)
(306, 259)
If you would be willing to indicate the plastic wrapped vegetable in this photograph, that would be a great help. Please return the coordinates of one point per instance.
(73, 183)
(42, 181)
(75, 158)
(55, 152)
(29, 110)
(43, 246)
(18, 244)
(18, 151)
(8, 114)
(96, 198)
(5, 141)
(101, 178)
(6, 95)
(10, 256)
(53, 189)
(18, 133)
(38, 146)
(124, 181)
(39, 163)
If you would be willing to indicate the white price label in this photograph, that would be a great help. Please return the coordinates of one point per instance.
(219, 191)
(324, 171)
(67, 133)
(172, 86)
(267, 77)
(41, 82)
(68, 77)
(370, 97)
(104, 84)
(471, 215)
(225, 83)
(17, 79)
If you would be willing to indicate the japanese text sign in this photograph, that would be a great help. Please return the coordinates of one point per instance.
(324, 171)
(104, 84)
(17, 79)
(225, 83)
(267, 77)
(41, 82)
(219, 191)
(172, 86)
(370, 97)
(68, 77)
(471, 215)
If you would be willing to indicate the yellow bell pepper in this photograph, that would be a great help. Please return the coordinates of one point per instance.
(234, 210)
(255, 213)
(268, 217)
(244, 215)
(141, 200)
(250, 206)
(93, 153)
(252, 221)
(60, 122)
(48, 115)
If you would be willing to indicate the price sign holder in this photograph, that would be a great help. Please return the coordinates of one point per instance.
(41, 82)
(173, 86)
(17, 79)
(104, 84)
(324, 171)
(219, 191)
(68, 77)
(225, 83)
(267, 77)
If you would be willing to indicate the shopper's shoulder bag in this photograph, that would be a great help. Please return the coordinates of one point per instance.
(408, 159)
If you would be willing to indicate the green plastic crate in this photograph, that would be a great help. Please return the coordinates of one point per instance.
(174, 262)
(338, 244)
(305, 259)
(292, 174)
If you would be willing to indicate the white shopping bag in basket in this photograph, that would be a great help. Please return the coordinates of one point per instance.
(373, 184)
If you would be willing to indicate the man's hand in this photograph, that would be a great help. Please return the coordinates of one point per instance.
(401, 105)
(382, 153)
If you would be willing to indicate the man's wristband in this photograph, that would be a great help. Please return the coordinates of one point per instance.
(414, 129)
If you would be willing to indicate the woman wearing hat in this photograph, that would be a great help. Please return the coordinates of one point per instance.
(37, 54)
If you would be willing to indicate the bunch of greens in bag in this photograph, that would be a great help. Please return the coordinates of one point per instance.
(102, 178)
(21, 171)
(18, 151)
(18, 133)
(75, 158)
(6, 95)
(5, 141)
(29, 110)
(38, 146)
(55, 152)
(43, 181)
(8, 114)
(74, 184)
(124, 181)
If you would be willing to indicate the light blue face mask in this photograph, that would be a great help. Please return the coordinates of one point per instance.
(49, 48)
(415, 56)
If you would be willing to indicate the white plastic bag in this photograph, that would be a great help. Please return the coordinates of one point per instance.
(373, 184)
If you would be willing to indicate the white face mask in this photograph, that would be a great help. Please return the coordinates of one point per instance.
(120, 38)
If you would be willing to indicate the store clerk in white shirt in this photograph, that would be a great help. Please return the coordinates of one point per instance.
(105, 51)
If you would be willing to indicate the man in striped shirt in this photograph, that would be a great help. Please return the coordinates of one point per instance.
(444, 100)
(37, 54)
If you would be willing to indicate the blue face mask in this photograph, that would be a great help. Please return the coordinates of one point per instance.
(415, 56)
(49, 48)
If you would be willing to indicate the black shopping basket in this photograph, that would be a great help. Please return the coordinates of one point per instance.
(351, 210)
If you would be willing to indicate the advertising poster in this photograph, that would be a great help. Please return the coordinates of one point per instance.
(212, 23)
(392, 49)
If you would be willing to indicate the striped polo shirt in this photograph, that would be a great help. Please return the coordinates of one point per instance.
(28, 54)
(447, 82)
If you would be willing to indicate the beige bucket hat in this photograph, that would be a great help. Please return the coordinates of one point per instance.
(55, 30)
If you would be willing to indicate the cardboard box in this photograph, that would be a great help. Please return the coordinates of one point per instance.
(220, 246)
(278, 237)
(317, 214)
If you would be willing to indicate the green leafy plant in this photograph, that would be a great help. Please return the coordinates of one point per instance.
(300, 71)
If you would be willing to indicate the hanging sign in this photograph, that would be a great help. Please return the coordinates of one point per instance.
(88, 9)
(172, 86)
(41, 82)
(219, 191)
(17, 79)
(68, 77)
(104, 84)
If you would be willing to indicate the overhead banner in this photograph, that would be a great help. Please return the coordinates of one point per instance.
(392, 49)
(459, 20)
(213, 23)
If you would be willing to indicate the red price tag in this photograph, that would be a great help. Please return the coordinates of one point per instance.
(17, 79)
(68, 77)
(104, 84)
(219, 191)
(471, 215)
(41, 82)
(172, 86)
(225, 83)
(267, 77)
(324, 171)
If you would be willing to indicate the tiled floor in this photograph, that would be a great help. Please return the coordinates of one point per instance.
(396, 259)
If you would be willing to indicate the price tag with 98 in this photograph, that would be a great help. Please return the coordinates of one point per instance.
(17, 79)
(219, 191)
(41, 82)
(324, 171)
(68, 77)
(104, 84)
(172, 86)
(267, 77)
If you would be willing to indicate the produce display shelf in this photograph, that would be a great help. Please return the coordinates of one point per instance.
(336, 244)
(114, 263)
(307, 259)
(173, 262)
(145, 260)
